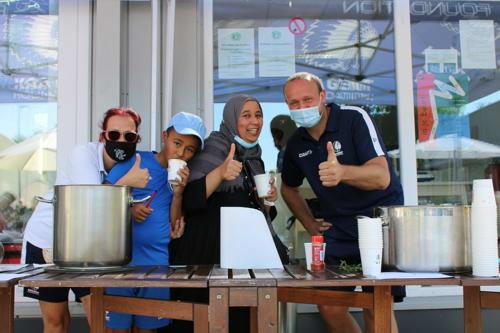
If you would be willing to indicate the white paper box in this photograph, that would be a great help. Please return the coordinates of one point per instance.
(245, 240)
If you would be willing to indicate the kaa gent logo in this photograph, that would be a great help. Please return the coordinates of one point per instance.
(337, 147)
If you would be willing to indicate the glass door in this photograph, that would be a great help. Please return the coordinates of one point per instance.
(28, 109)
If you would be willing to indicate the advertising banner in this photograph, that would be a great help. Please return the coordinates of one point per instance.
(439, 99)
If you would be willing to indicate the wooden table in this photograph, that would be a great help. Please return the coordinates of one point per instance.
(475, 300)
(147, 276)
(261, 289)
(7, 301)
(250, 288)
(7, 305)
(297, 289)
(258, 289)
(254, 288)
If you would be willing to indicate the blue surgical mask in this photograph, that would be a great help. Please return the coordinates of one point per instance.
(245, 144)
(307, 117)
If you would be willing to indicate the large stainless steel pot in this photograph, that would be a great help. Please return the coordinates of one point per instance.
(426, 238)
(92, 225)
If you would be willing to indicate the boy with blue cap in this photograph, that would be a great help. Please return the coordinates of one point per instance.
(160, 219)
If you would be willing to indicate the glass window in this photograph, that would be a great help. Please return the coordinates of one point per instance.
(457, 96)
(28, 109)
(258, 44)
(348, 44)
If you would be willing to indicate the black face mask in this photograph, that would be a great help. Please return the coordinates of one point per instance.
(120, 151)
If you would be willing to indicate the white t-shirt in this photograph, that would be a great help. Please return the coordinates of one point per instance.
(85, 166)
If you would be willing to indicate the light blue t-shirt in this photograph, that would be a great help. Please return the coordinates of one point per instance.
(150, 238)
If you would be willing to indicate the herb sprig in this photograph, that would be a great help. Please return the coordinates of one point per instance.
(344, 267)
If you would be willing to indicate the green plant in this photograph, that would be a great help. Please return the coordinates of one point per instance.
(344, 267)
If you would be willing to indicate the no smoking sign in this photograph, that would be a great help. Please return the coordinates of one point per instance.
(297, 25)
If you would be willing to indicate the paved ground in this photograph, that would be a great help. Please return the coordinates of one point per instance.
(429, 321)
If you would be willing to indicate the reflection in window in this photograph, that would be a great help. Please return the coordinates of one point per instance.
(258, 44)
(28, 109)
(456, 97)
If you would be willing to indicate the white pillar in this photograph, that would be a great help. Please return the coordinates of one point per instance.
(155, 71)
(168, 74)
(107, 58)
(406, 120)
(208, 65)
(74, 69)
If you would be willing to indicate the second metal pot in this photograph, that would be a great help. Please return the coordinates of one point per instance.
(92, 225)
(426, 238)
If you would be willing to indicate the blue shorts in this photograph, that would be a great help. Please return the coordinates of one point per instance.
(122, 321)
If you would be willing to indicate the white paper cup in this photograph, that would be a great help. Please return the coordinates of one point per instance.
(483, 192)
(484, 232)
(308, 251)
(371, 261)
(370, 232)
(371, 242)
(174, 165)
(262, 184)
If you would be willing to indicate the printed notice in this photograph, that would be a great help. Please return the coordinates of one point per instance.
(276, 52)
(477, 44)
(236, 53)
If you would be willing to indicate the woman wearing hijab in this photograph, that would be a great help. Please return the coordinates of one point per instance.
(222, 175)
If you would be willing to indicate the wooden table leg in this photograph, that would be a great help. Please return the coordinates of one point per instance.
(218, 310)
(267, 312)
(254, 320)
(98, 316)
(472, 309)
(382, 309)
(7, 309)
(200, 318)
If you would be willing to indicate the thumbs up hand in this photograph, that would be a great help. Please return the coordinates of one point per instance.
(230, 169)
(332, 157)
(331, 171)
(136, 176)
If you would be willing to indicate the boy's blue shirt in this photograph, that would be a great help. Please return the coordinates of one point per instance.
(150, 238)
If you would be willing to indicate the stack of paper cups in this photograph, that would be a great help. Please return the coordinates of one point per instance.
(484, 229)
(370, 245)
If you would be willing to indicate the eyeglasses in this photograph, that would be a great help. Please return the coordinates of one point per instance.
(115, 135)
